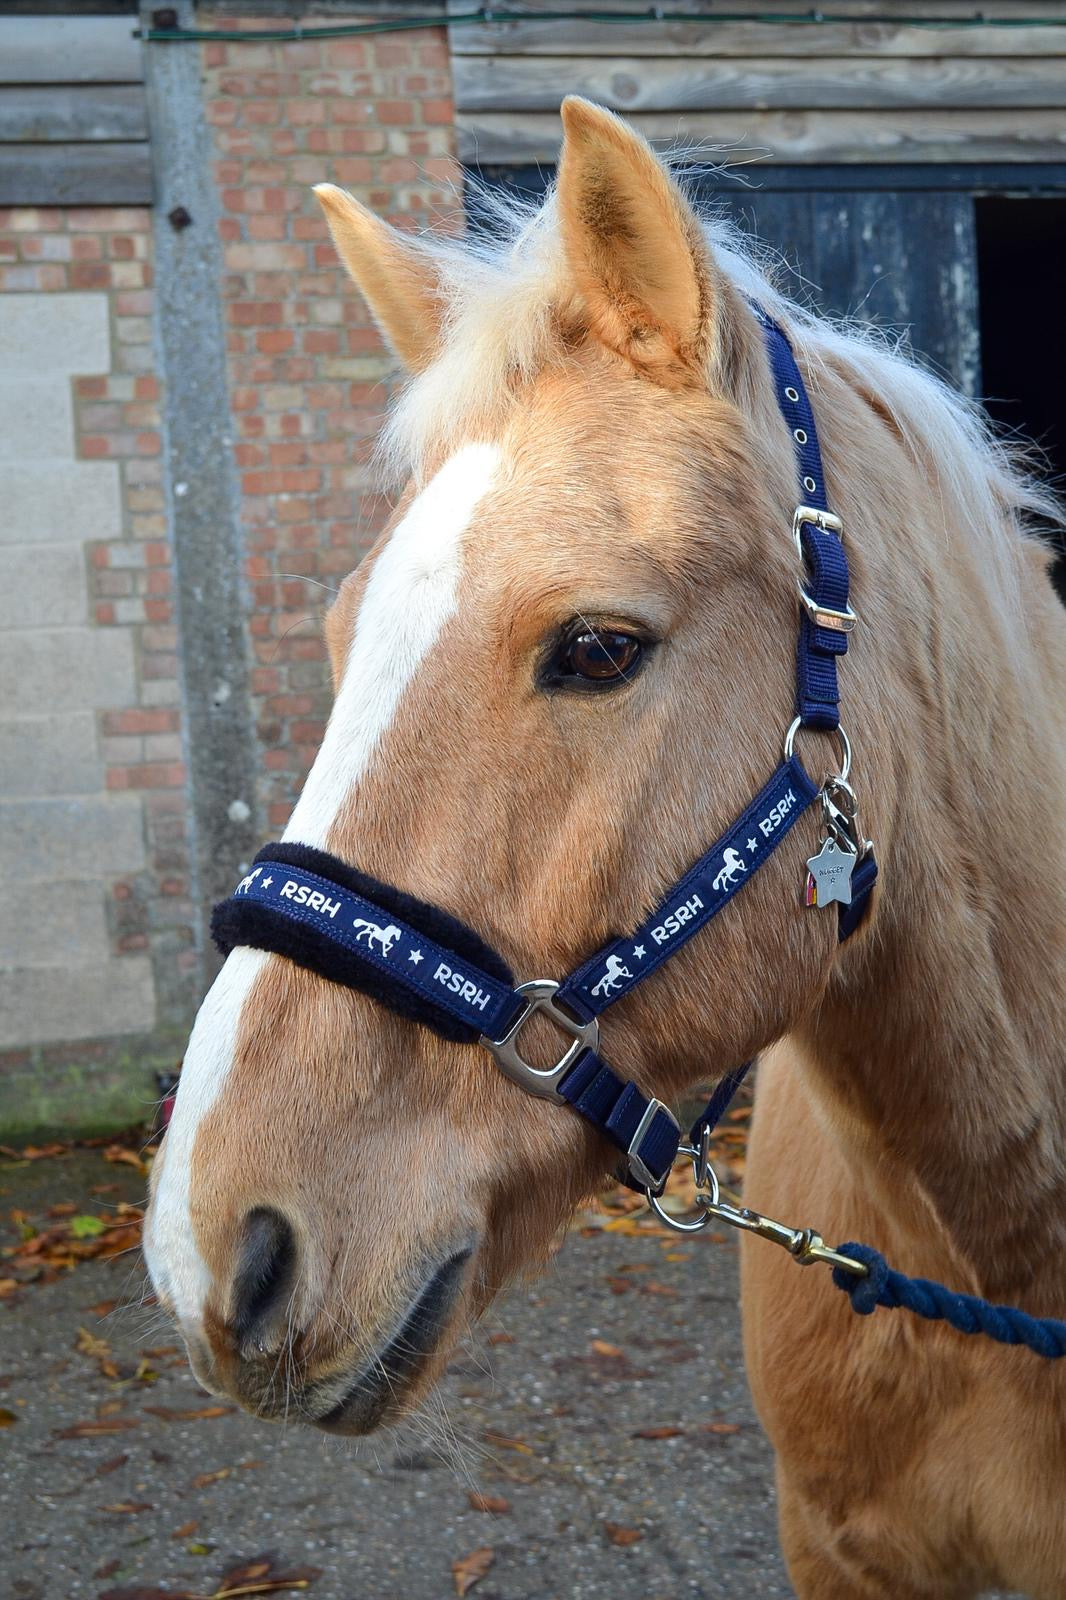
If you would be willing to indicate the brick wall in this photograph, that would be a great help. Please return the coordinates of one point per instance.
(97, 936)
(309, 375)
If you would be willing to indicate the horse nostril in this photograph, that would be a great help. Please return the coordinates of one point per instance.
(264, 1271)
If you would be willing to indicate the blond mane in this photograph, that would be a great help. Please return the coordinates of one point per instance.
(504, 285)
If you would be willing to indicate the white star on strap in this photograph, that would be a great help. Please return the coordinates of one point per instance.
(415, 956)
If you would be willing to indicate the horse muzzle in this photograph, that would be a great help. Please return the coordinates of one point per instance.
(277, 1371)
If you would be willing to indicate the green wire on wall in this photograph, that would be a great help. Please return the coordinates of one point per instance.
(489, 15)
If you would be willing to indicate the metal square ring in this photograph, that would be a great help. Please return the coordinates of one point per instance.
(638, 1170)
(539, 995)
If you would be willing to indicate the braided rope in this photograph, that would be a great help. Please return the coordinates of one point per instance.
(883, 1287)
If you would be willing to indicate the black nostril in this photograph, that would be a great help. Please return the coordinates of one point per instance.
(264, 1271)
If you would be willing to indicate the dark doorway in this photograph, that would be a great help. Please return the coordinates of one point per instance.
(1020, 247)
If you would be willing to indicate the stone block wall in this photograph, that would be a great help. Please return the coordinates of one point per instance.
(97, 965)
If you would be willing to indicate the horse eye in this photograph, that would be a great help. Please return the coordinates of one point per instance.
(597, 656)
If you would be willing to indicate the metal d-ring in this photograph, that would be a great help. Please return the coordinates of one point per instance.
(704, 1201)
(845, 746)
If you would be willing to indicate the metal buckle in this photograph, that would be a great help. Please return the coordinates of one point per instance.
(637, 1167)
(821, 519)
(826, 616)
(539, 995)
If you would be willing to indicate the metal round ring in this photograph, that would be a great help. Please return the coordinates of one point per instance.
(845, 746)
(700, 1222)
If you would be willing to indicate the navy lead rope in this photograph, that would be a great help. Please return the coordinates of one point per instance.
(882, 1286)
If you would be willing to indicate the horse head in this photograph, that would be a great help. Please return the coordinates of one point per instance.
(564, 666)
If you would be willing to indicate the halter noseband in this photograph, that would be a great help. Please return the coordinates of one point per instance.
(426, 965)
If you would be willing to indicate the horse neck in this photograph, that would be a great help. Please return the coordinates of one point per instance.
(937, 1047)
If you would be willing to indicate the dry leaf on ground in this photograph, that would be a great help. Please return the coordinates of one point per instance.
(468, 1570)
(619, 1534)
(488, 1502)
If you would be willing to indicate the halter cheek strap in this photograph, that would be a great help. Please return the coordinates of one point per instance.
(425, 965)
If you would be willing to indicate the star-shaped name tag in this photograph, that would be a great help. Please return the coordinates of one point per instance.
(829, 875)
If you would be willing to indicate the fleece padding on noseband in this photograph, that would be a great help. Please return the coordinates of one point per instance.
(249, 921)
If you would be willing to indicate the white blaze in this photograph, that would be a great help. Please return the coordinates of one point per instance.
(410, 596)
(176, 1266)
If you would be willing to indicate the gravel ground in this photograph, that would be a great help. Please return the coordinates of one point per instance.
(544, 1417)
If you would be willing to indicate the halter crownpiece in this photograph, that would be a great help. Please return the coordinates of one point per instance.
(426, 965)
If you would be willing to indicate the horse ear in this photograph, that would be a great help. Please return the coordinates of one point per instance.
(395, 276)
(635, 249)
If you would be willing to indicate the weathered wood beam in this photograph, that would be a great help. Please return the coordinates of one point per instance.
(541, 36)
(791, 136)
(532, 83)
(69, 50)
(75, 174)
(67, 113)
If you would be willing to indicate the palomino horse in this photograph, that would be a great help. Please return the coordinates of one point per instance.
(564, 667)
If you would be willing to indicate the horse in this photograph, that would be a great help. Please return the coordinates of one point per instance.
(564, 665)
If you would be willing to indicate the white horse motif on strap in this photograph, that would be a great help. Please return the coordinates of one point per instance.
(734, 864)
(373, 933)
(246, 883)
(616, 971)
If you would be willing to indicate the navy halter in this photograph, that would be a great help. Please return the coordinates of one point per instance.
(424, 964)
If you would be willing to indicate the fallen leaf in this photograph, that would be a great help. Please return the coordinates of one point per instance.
(119, 1154)
(246, 1573)
(102, 1308)
(107, 1467)
(89, 1430)
(85, 1226)
(109, 1568)
(488, 1502)
(8, 1286)
(468, 1570)
(186, 1530)
(202, 1479)
(168, 1414)
(720, 1427)
(87, 1344)
(504, 1443)
(261, 1576)
(33, 1152)
(193, 1548)
(667, 1431)
(63, 1208)
(127, 1508)
(602, 1348)
(7, 1418)
(619, 1534)
(500, 1338)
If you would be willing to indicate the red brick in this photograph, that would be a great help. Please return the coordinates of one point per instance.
(275, 342)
